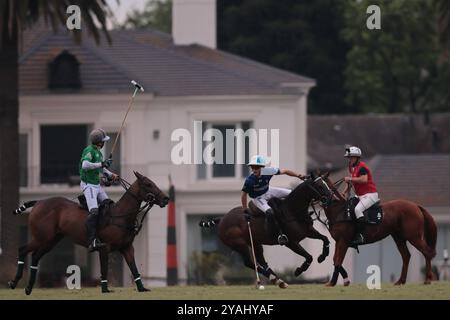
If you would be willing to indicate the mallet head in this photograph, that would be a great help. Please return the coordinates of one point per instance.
(137, 85)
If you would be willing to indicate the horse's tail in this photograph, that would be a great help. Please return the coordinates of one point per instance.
(430, 231)
(25, 206)
(210, 223)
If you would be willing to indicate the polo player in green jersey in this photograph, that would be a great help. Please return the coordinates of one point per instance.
(91, 166)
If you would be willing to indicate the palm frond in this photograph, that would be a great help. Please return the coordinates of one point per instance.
(18, 13)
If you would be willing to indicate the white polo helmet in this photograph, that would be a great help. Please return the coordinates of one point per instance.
(352, 152)
(257, 161)
(97, 136)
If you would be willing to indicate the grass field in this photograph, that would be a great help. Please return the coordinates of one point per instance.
(435, 291)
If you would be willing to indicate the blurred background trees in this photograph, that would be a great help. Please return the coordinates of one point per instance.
(403, 67)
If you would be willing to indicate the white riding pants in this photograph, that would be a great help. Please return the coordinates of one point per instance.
(93, 193)
(365, 202)
(261, 201)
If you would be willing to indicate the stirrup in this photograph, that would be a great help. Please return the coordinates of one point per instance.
(95, 245)
(283, 239)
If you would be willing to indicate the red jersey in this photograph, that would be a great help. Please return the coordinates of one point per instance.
(362, 188)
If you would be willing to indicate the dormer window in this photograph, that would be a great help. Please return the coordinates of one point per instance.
(64, 72)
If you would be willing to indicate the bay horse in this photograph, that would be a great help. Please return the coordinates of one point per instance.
(292, 213)
(54, 218)
(403, 220)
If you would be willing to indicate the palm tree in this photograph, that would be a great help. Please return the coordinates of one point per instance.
(15, 16)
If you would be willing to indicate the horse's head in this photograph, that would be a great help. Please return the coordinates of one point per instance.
(321, 190)
(149, 191)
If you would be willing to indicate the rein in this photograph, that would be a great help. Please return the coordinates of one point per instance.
(149, 202)
(333, 188)
(318, 217)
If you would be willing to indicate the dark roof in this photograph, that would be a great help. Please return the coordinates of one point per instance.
(423, 179)
(374, 134)
(151, 58)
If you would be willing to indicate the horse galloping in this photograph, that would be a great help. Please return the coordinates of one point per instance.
(292, 212)
(52, 219)
(403, 220)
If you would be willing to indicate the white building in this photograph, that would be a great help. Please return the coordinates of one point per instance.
(68, 89)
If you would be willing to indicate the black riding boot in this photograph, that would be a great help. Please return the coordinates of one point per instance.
(270, 219)
(91, 226)
(360, 226)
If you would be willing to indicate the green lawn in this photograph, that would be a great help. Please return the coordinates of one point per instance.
(437, 290)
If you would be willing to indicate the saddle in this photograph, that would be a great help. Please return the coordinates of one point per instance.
(103, 208)
(373, 215)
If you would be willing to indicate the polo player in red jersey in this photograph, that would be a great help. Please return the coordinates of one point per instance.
(365, 189)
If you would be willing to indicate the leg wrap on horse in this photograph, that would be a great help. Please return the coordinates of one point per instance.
(302, 268)
(265, 270)
(139, 284)
(104, 285)
(32, 279)
(19, 273)
(335, 276)
(343, 272)
(13, 283)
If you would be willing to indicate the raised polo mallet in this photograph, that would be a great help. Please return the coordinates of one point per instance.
(137, 87)
(258, 281)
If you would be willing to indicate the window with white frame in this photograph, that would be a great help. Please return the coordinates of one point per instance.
(229, 154)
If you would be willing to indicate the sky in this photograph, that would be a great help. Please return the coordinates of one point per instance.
(120, 11)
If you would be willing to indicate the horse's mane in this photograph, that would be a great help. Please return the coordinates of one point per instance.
(297, 209)
(297, 190)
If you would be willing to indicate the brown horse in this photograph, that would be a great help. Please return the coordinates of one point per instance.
(403, 220)
(55, 218)
(292, 213)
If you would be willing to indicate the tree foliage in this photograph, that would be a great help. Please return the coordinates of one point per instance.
(397, 68)
(301, 36)
(156, 14)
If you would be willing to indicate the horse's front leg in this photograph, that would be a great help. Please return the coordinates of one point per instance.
(314, 234)
(128, 254)
(103, 254)
(338, 259)
(298, 249)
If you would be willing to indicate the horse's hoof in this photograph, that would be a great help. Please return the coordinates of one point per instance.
(144, 290)
(399, 283)
(298, 272)
(12, 284)
(427, 282)
(321, 258)
(282, 284)
(329, 284)
(107, 291)
(346, 283)
(28, 291)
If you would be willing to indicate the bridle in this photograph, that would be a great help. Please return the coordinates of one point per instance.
(149, 200)
(150, 197)
(325, 201)
(333, 191)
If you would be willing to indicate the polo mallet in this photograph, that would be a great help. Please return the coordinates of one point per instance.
(137, 87)
(258, 281)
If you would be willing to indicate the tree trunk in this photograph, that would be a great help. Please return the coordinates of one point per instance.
(9, 147)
